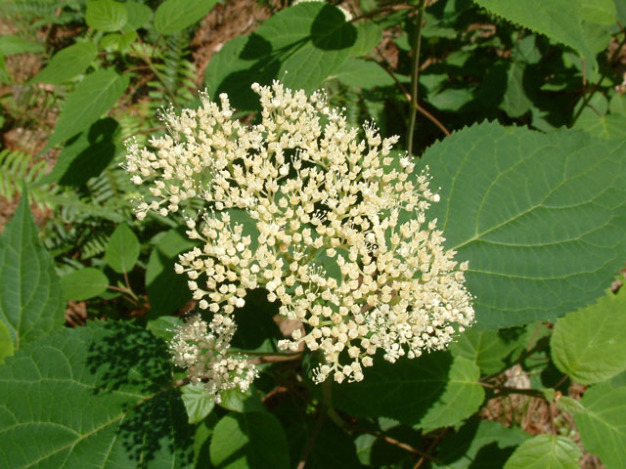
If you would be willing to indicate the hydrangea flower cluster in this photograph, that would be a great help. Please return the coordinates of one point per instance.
(204, 349)
(329, 223)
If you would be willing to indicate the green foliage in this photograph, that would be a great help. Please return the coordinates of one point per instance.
(106, 15)
(95, 397)
(545, 452)
(67, 64)
(6, 344)
(433, 391)
(102, 89)
(83, 284)
(534, 215)
(30, 297)
(302, 46)
(533, 199)
(198, 402)
(166, 290)
(251, 439)
(16, 168)
(547, 18)
(123, 250)
(173, 16)
(602, 425)
(588, 344)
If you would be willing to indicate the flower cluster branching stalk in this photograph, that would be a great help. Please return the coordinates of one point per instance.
(325, 218)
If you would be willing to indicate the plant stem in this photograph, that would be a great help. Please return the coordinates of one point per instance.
(596, 87)
(415, 73)
(407, 95)
(505, 390)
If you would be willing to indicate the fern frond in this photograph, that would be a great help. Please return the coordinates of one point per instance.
(15, 167)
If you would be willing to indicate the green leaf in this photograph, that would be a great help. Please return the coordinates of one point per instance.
(570, 405)
(138, 14)
(167, 291)
(106, 15)
(516, 100)
(460, 399)
(83, 284)
(610, 126)
(122, 250)
(252, 440)
(589, 344)
(433, 390)
(164, 327)
(546, 18)
(6, 344)
(67, 64)
(94, 396)
(118, 42)
(238, 401)
(10, 45)
(369, 36)
(92, 98)
(451, 99)
(488, 349)
(545, 452)
(30, 295)
(198, 402)
(85, 156)
(479, 444)
(540, 217)
(602, 426)
(301, 45)
(364, 74)
(599, 11)
(175, 15)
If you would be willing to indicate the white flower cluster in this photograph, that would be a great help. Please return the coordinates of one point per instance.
(330, 224)
(205, 354)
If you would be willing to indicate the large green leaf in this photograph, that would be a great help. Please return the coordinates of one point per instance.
(546, 18)
(431, 391)
(94, 396)
(93, 97)
(68, 63)
(175, 15)
(30, 293)
(250, 440)
(122, 249)
(83, 284)
(589, 344)
(167, 291)
(602, 425)
(545, 452)
(540, 217)
(301, 45)
(106, 15)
